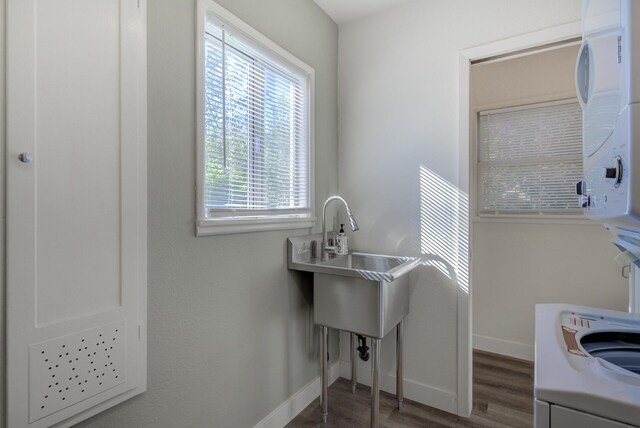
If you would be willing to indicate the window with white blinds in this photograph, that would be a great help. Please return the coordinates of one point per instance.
(530, 159)
(256, 118)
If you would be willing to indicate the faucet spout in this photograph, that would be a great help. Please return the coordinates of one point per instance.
(352, 220)
(353, 223)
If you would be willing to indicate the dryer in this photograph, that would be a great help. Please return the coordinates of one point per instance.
(608, 87)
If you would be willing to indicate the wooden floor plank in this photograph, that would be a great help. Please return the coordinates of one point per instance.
(502, 398)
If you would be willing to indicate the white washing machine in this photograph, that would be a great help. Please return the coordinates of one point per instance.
(587, 371)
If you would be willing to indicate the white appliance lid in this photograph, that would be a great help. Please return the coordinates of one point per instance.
(565, 373)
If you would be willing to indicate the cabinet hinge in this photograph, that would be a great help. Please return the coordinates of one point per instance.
(139, 332)
(619, 49)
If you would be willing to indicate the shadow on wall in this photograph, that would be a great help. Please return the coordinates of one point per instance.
(301, 293)
(444, 227)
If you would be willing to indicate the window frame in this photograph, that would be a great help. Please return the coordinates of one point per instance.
(265, 219)
(533, 216)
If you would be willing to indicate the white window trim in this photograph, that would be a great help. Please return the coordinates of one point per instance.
(530, 217)
(222, 226)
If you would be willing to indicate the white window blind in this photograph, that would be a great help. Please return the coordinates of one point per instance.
(530, 159)
(256, 130)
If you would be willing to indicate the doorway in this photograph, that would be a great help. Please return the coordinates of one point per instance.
(519, 46)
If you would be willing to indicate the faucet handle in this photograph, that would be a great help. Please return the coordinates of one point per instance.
(314, 249)
(329, 245)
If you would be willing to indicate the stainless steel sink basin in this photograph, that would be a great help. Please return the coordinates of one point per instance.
(363, 293)
(369, 266)
(305, 255)
(368, 262)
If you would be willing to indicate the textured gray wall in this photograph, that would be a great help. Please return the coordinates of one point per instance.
(230, 329)
(229, 326)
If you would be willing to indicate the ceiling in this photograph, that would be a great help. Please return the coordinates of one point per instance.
(345, 11)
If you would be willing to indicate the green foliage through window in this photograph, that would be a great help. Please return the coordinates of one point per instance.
(256, 126)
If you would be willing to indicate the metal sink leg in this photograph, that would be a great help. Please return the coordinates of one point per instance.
(375, 372)
(375, 382)
(399, 363)
(354, 360)
(324, 373)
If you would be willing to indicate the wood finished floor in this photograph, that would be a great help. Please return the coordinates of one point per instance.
(502, 397)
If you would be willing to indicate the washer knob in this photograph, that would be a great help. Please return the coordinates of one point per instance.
(614, 172)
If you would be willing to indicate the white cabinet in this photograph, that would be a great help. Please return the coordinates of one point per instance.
(76, 208)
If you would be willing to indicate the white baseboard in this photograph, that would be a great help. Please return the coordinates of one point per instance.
(413, 390)
(299, 401)
(519, 350)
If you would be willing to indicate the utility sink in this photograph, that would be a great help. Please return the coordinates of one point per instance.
(362, 293)
(368, 266)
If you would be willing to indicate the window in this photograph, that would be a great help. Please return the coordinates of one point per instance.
(530, 159)
(255, 148)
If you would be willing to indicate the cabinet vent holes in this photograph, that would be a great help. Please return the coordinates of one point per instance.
(61, 363)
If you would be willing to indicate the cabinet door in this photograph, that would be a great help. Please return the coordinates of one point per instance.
(76, 208)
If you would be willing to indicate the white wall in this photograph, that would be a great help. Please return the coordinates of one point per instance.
(398, 106)
(2, 215)
(519, 264)
(230, 329)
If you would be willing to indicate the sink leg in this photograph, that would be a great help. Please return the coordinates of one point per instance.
(399, 364)
(324, 374)
(375, 382)
(354, 360)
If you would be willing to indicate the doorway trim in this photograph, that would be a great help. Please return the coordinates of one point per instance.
(523, 44)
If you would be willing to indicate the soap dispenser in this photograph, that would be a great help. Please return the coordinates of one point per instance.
(342, 242)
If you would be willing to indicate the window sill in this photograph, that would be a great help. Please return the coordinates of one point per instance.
(227, 227)
(542, 219)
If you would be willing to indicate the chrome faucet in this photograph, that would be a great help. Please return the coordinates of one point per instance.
(352, 221)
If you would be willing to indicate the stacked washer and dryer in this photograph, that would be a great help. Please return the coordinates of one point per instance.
(587, 360)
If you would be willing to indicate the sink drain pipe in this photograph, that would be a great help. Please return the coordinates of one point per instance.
(363, 349)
